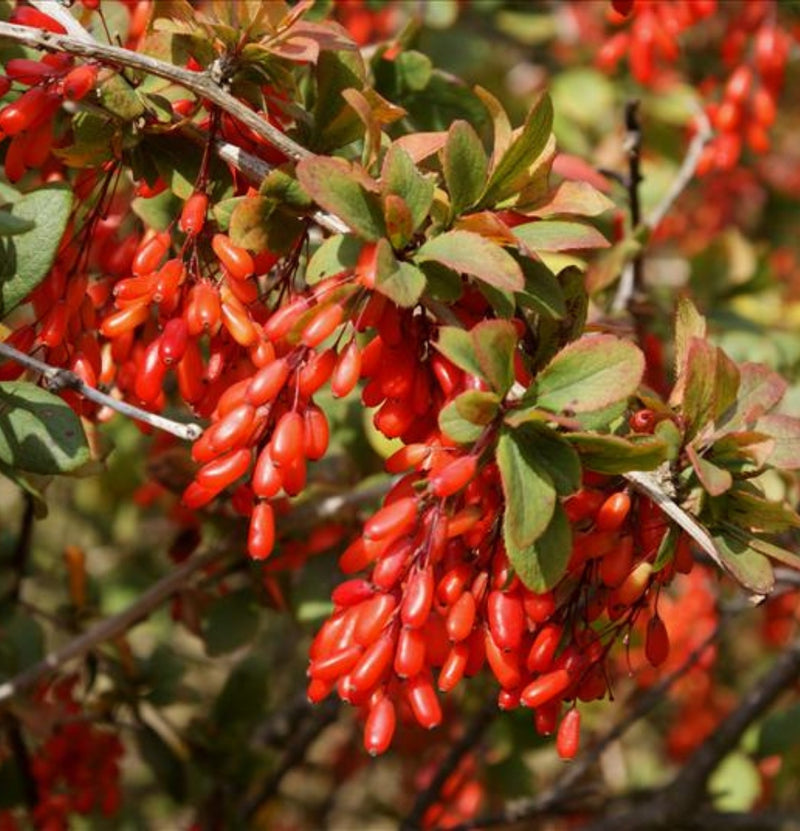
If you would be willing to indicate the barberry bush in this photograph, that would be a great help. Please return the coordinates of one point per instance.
(398, 414)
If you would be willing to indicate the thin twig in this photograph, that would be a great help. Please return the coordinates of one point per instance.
(296, 750)
(472, 735)
(686, 172)
(683, 797)
(22, 549)
(202, 84)
(58, 378)
(109, 628)
(565, 789)
(59, 13)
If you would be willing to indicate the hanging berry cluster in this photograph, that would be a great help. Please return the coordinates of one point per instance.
(450, 300)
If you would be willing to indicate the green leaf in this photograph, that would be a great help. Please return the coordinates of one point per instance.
(477, 406)
(401, 282)
(248, 223)
(735, 784)
(542, 292)
(510, 174)
(458, 346)
(26, 257)
(167, 768)
(458, 428)
(553, 453)
(495, 343)
(615, 454)
(283, 188)
(530, 495)
(464, 164)
(230, 622)
(244, 695)
(444, 284)
(179, 162)
(39, 433)
(472, 254)
(590, 374)
(335, 124)
(401, 177)
(768, 549)
(689, 324)
(746, 565)
(337, 254)
(11, 225)
(780, 732)
(540, 566)
(158, 211)
(346, 191)
(559, 235)
(751, 510)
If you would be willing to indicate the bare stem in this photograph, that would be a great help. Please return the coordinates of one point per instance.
(109, 628)
(58, 378)
(201, 83)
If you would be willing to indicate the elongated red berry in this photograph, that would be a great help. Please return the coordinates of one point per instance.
(545, 688)
(454, 476)
(261, 536)
(322, 325)
(424, 701)
(288, 440)
(380, 726)
(409, 658)
(506, 616)
(392, 520)
(417, 598)
(78, 82)
(347, 370)
(569, 734)
(219, 474)
(656, 645)
(193, 214)
(613, 512)
(237, 261)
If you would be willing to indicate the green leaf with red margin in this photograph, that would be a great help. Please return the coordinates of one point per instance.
(401, 282)
(477, 406)
(502, 132)
(510, 173)
(460, 428)
(399, 222)
(464, 164)
(746, 565)
(589, 374)
(345, 190)
(540, 566)
(559, 235)
(553, 453)
(401, 177)
(471, 254)
(457, 345)
(495, 343)
(784, 430)
(714, 479)
(689, 324)
(618, 454)
(528, 490)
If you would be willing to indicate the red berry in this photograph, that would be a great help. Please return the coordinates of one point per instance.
(569, 732)
(236, 260)
(261, 536)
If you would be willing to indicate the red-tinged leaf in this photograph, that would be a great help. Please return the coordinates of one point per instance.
(304, 40)
(784, 430)
(558, 235)
(528, 490)
(746, 449)
(509, 173)
(750, 509)
(760, 389)
(420, 146)
(495, 343)
(589, 374)
(345, 190)
(715, 480)
(775, 552)
(464, 164)
(399, 222)
(477, 406)
(401, 282)
(745, 564)
(471, 254)
(573, 198)
(458, 427)
(401, 177)
(488, 224)
(578, 169)
(710, 386)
